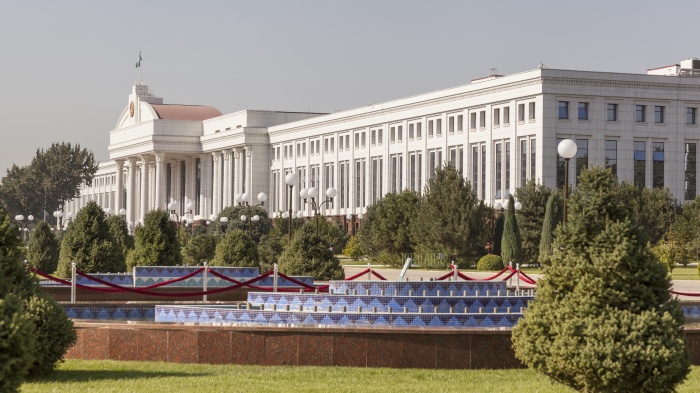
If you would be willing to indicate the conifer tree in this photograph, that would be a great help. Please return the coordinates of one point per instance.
(533, 198)
(551, 219)
(200, 248)
(237, 248)
(43, 249)
(309, 255)
(89, 243)
(603, 319)
(155, 243)
(511, 249)
(498, 233)
(120, 233)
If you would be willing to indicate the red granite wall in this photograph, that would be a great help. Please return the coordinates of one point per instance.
(424, 348)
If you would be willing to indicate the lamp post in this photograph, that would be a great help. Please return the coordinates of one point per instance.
(224, 221)
(349, 217)
(25, 231)
(58, 214)
(313, 193)
(567, 149)
(497, 209)
(172, 208)
(246, 199)
(122, 213)
(67, 221)
(108, 211)
(291, 180)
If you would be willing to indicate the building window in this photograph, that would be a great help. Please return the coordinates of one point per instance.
(340, 143)
(456, 157)
(393, 134)
(612, 112)
(347, 142)
(533, 158)
(419, 130)
(498, 157)
(560, 167)
(521, 112)
(414, 164)
(377, 180)
(531, 110)
(640, 112)
(496, 117)
(360, 183)
(507, 169)
(483, 172)
(583, 111)
(451, 124)
(460, 123)
(430, 128)
(438, 127)
(364, 134)
(482, 119)
(506, 115)
(475, 168)
(400, 132)
(396, 173)
(344, 175)
(611, 155)
(691, 115)
(523, 162)
(658, 114)
(472, 121)
(563, 109)
(374, 137)
(380, 136)
(581, 156)
(326, 141)
(410, 132)
(328, 171)
(640, 164)
(690, 171)
(658, 165)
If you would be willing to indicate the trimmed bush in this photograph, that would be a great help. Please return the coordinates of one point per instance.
(54, 333)
(201, 248)
(17, 343)
(352, 249)
(237, 248)
(490, 262)
(43, 249)
(309, 255)
(89, 244)
(120, 233)
(155, 242)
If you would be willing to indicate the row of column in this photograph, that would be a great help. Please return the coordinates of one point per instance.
(221, 178)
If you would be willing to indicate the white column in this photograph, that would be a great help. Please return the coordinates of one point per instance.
(216, 184)
(131, 191)
(175, 183)
(144, 187)
(238, 176)
(160, 183)
(226, 183)
(206, 193)
(119, 178)
(249, 172)
(189, 181)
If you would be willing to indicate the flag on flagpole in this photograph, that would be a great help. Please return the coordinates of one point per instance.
(138, 63)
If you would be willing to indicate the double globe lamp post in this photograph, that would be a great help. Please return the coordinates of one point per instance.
(23, 224)
(567, 150)
(312, 193)
(246, 199)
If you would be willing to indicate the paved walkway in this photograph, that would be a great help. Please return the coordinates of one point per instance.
(691, 286)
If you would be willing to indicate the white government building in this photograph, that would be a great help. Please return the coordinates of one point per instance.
(499, 130)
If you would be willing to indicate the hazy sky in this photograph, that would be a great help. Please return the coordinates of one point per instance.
(67, 67)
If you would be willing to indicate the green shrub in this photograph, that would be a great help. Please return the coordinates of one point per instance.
(236, 249)
(666, 254)
(17, 342)
(352, 249)
(89, 243)
(43, 249)
(490, 262)
(54, 332)
(120, 233)
(201, 248)
(270, 249)
(309, 255)
(155, 243)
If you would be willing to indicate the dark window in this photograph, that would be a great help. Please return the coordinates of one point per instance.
(499, 169)
(521, 112)
(483, 172)
(690, 171)
(198, 186)
(523, 162)
(691, 115)
(531, 111)
(533, 157)
(611, 155)
(496, 116)
(472, 120)
(460, 123)
(506, 115)
(507, 189)
(612, 112)
(658, 114)
(640, 163)
(560, 167)
(475, 168)
(581, 156)
(563, 109)
(658, 165)
(583, 111)
(640, 113)
(451, 124)
(482, 119)
(438, 127)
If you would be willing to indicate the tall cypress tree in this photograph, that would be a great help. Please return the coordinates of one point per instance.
(551, 218)
(43, 249)
(498, 233)
(511, 249)
(603, 319)
(155, 243)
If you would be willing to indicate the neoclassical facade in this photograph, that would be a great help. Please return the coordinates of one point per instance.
(500, 131)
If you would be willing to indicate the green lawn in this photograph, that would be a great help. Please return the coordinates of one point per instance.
(685, 273)
(113, 376)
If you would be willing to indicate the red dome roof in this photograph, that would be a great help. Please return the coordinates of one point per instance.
(185, 112)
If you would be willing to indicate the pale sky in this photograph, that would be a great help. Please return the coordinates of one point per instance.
(67, 67)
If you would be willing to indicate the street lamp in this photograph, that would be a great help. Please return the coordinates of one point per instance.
(246, 199)
(224, 221)
(172, 208)
(122, 213)
(567, 149)
(69, 218)
(349, 217)
(291, 180)
(108, 211)
(313, 193)
(20, 219)
(58, 214)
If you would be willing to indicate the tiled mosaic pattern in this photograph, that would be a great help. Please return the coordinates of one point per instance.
(691, 312)
(111, 312)
(283, 318)
(418, 288)
(336, 303)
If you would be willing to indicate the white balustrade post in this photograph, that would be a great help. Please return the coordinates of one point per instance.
(510, 280)
(72, 282)
(274, 279)
(204, 281)
(455, 272)
(369, 271)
